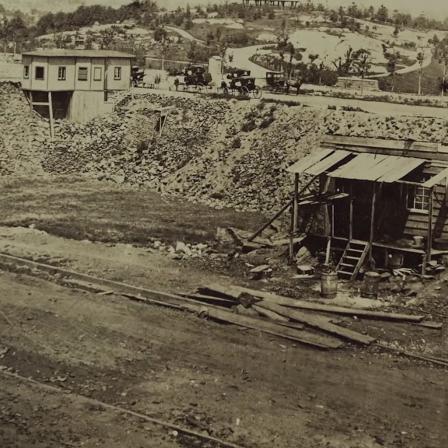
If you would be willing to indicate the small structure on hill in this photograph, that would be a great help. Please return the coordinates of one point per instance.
(74, 84)
(382, 202)
(360, 84)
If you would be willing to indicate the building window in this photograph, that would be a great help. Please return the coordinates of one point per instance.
(83, 74)
(117, 73)
(26, 72)
(39, 73)
(418, 199)
(97, 74)
(62, 73)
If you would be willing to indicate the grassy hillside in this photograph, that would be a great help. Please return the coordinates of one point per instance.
(408, 83)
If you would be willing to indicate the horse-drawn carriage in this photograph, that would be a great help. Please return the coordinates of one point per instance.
(277, 82)
(138, 75)
(197, 76)
(239, 82)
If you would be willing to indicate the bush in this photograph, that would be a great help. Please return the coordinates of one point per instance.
(329, 77)
(236, 143)
(266, 122)
(249, 126)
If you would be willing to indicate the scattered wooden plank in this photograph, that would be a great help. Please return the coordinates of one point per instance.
(220, 301)
(317, 341)
(318, 322)
(233, 292)
(270, 314)
(295, 325)
(285, 241)
(178, 302)
(243, 238)
(303, 304)
(431, 325)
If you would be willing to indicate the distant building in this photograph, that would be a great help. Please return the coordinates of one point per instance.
(74, 84)
(358, 84)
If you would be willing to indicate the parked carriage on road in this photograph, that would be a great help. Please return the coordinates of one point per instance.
(239, 82)
(277, 82)
(196, 76)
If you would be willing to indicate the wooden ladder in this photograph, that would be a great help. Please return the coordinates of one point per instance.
(353, 258)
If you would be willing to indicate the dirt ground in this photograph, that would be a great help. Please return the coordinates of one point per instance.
(238, 385)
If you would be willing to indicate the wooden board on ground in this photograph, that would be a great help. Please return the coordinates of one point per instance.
(270, 314)
(220, 301)
(318, 322)
(265, 326)
(303, 304)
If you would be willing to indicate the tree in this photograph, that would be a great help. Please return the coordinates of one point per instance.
(396, 31)
(382, 15)
(160, 34)
(441, 53)
(362, 62)
(392, 58)
(420, 60)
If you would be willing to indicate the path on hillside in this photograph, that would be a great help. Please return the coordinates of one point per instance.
(241, 59)
(185, 34)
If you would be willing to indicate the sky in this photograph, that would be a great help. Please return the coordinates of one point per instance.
(434, 8)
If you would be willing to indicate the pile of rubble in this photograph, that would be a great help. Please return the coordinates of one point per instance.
(223, 153)
(22, 134)
(354, 124)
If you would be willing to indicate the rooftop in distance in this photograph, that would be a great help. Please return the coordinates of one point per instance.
(79, 53)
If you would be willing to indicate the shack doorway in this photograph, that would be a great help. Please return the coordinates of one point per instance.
(390, 213)
(358, 207)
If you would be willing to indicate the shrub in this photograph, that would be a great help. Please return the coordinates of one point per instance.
(236, 143)
(249, 126)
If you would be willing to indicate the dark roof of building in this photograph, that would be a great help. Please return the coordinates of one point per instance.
(54, 53)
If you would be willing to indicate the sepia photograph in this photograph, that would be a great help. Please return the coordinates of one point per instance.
(223, 224)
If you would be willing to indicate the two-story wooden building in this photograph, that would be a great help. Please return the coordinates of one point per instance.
(374, 200)
(74, 84)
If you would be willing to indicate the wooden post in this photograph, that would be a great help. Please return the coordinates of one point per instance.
(330, 234)
(31, 100)
(350, 224)
(50, 110)
(429, 233)
(294, 217)
(372, 222)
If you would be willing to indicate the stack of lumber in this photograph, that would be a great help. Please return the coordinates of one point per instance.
(299, 320)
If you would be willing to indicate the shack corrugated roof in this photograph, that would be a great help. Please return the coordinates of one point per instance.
(61, 53)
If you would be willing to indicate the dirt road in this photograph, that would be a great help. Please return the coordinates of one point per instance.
(241, 386)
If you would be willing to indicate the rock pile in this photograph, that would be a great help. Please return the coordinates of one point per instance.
(224, 153)
(22, 133)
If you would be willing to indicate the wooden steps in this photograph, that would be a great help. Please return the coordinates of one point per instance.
(352, 259)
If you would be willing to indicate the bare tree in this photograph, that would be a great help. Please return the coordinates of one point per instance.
(441, 53)
(420, 60)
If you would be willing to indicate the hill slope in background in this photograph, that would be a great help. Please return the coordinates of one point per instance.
(432, 8)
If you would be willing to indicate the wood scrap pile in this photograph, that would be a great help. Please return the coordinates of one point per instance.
(302, 321)
(247, 243)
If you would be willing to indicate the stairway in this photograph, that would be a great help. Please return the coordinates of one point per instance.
(352, 259)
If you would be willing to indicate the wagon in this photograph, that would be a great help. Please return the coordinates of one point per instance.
(239, 82)
(276, 82)
(196, 76)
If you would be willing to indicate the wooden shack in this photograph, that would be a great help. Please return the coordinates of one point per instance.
(74, 84)
(374, 201)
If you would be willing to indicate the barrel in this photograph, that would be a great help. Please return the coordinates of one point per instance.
(370, 286)
(329, 285)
